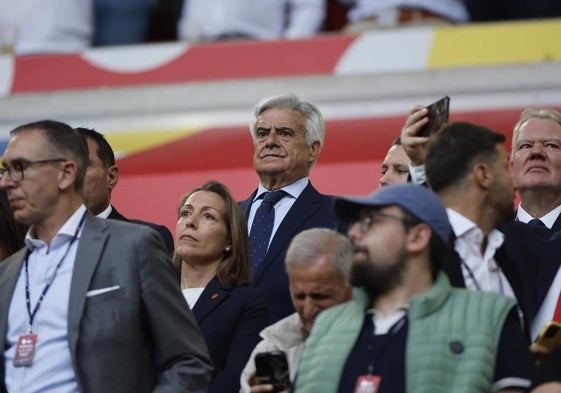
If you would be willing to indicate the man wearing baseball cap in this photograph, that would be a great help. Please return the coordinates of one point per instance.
(407, 329)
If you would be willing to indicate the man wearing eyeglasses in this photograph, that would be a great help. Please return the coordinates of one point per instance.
(89, 305)
(407, 329)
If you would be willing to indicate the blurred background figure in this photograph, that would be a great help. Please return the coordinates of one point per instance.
(54, 26)
(213, 20)
(122, 22)
(12, 233)
(212, 257)
(395, 167)
(367, 15)
(497, 10)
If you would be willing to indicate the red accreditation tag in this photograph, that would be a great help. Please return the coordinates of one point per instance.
(367, 384)
(25, 349)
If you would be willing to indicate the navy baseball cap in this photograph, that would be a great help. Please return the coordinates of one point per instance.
(418, 201)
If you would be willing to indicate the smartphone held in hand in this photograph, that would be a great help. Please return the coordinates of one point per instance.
(438, 116)
(272, 368)
(550, 335)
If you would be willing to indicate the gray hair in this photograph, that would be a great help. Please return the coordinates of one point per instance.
(531, 113)
(308, 245)
(315, 127)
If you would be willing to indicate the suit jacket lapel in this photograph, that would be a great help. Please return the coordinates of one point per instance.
(88, 255)
(213, 295)
(453, 265)
(8, 280)
(304, 207)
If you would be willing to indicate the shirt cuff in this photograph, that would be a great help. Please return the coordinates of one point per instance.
(418, 174)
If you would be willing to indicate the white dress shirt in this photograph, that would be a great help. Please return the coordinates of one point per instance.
(52, 26)
(452, 9)
(52, 369)
(547, 308)
(480, 270)
(207, 20)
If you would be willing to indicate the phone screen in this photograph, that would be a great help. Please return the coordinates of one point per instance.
(272, 368)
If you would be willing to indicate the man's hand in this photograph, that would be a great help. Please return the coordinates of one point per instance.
(259, 388)
(539, 352)
(415, 146)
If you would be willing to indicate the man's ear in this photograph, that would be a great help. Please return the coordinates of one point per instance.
(112, 176)
(483, 175)
(315, 149)
(67, 176)
(418, 237)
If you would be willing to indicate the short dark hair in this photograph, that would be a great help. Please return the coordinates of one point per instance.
(104, 151)
(455, 149)
(63, 140)
(235, 268)
(12, 232)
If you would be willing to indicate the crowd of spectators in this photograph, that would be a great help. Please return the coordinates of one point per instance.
(67, 26)
(440, 267)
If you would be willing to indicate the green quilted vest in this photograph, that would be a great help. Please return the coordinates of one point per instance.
(452, 340)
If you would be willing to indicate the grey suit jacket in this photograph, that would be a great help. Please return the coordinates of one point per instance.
(139, 337)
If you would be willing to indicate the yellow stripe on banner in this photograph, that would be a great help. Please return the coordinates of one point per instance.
(496, 43)
(133, 142)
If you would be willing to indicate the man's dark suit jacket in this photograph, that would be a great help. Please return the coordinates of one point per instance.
(230, 319)
(310, 210)
(557, 224)
(162, 230)
(138, 336)
(528, 258)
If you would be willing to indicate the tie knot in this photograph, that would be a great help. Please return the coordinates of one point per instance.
(273, 197)
(537, 222)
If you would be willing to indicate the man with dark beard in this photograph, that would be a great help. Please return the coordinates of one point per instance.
(467, 166)
(407, 329)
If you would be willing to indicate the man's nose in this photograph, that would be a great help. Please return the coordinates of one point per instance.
(354, 232)
(5, 180)
(537, 149)
(310, 309)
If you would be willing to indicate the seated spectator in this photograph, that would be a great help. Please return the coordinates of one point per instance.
(12, 233)
(378, 14)
(498, 10)
(212, 258)
(395, 167)
(213, 20)
(54, 26)
(406, 328)
(121, 22)
(318, 263)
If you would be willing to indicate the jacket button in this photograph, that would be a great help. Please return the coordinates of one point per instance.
(456, 347)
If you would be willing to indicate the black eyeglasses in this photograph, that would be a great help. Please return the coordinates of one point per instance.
(375, 217)
(16, 170)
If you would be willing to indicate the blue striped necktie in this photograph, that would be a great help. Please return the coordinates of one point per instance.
(262, 227)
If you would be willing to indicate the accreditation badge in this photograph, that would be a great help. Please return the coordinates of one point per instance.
(25, 349)
(367, 383)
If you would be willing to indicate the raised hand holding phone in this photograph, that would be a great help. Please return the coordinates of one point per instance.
(439, 112)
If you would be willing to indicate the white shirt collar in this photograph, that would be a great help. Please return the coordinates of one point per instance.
(548, 219)
(106, 212)
(64, 233)
(294, 189)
